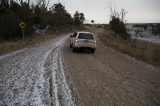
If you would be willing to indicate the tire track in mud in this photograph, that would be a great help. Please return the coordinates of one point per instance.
(59, 90)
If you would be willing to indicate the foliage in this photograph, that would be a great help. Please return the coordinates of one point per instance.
(118, 27)
(92, 21)
(4, 6)
(117, 24)
(10, 17)
(37, 14)
(79, 18)
(9, 28)
(60, 17)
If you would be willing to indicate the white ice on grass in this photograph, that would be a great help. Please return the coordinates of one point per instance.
(54, 68)
(11, 54)
(25, 76)
(144, 35)
(148, 38)
(66, 89)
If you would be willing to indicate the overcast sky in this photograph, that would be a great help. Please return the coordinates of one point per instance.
(139, 11)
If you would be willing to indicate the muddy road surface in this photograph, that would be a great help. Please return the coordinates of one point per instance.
(109, 78)
(50, 74)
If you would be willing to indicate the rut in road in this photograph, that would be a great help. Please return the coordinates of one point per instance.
(35, 76)
(59, 90)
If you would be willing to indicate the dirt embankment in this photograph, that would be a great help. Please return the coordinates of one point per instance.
(109, 78)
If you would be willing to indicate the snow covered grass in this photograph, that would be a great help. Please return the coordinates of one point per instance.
(10, 46)
(11, 54)
(66, 89)
(35, 76)
(145, 35)
(148, 37)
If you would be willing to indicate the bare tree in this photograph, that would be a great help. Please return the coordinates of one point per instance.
(43, 3)
(28, 2)
(114, 11)
(117, 20)
(21, 2)
(123, 14)
(4, 5)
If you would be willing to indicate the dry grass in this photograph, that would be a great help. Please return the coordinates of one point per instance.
(9, 46)
(147, 52)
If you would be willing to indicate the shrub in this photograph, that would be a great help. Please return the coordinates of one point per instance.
(118, 27)
(9, 28)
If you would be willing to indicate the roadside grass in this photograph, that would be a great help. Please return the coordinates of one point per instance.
(17, 44)
(142, 50)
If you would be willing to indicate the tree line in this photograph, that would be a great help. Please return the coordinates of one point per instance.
(12, 12)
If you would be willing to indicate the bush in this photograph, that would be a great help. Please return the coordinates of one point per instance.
(118, 27)
(15, 12)
(9, 28)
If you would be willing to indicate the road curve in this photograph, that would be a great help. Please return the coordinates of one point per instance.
(35, 76)
(50, 74)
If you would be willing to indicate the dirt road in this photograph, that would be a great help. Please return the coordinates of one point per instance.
(35, 76)
(50, 74)
(109, 78)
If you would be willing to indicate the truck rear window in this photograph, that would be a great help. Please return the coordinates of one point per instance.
(85, 36)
